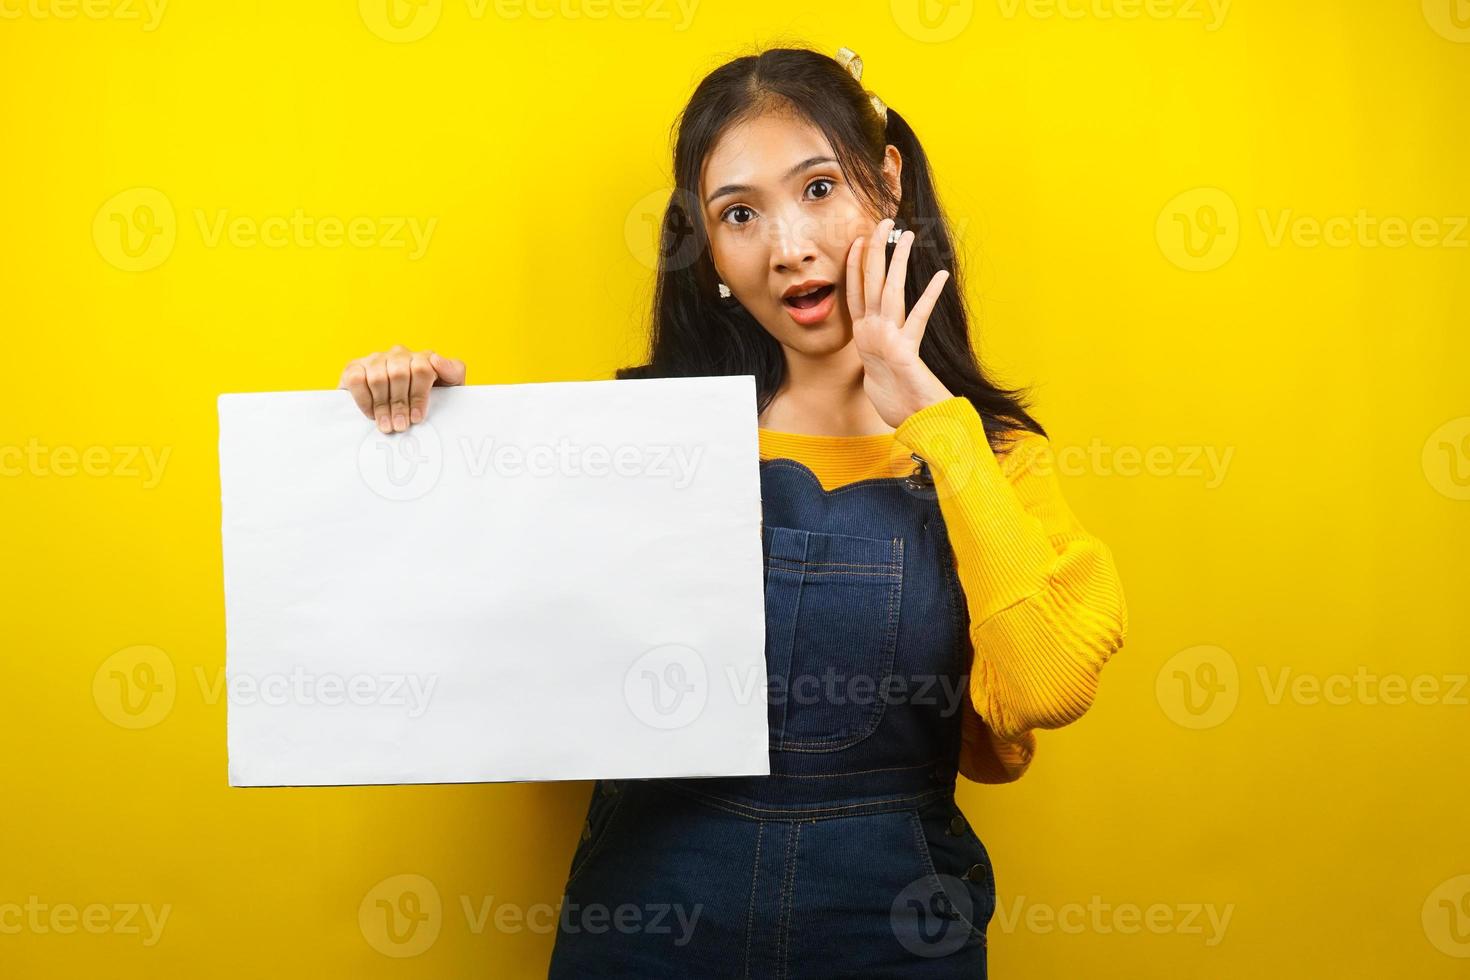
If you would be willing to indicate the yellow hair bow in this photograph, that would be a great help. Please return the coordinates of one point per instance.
(849, 59)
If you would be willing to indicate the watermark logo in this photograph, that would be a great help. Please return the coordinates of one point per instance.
(676, 463)
(410, 692)
(407, 465)
(400, 21)
(932, 922)
(1211, 13)
(671, 919)
(1198, 687)
(838, 688)
(144, 920)
(306, 231)
(674, 920)
(1204, 919)
(401, 465)
(1449, 18)
(659, 228)
(135, 687)
(932, 21)
(401, 916)
(679, 13)
(1446, 458)
(1199, 229)
(403, 21)
(135, 230)
(1363, 687)
(35, 459)
(667, 687)
(1362, 230)
(1207, 464)
(147, 13)
(952, 441)
(1446, 916)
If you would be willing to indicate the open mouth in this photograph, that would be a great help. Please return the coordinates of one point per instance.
(807, 301)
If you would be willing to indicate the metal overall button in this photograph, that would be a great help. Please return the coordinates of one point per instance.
(920, 478)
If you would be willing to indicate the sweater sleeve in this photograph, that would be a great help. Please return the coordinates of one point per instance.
(1046, 606)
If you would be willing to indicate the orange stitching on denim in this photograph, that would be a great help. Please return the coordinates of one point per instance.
(806, 813)
(791, 564)
(755, 872)
(833, 564)
(788, 891)
(851, 772)
(883, 575)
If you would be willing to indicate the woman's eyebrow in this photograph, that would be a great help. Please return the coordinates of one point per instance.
(746, 188)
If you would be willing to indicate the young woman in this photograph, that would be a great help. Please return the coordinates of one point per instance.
(931, 601)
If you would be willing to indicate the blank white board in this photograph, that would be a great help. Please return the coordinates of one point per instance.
(538, 582)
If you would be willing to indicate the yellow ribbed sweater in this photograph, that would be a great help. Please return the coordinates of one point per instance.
(1046, 606)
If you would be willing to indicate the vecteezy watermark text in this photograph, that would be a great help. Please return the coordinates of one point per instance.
(97, 918)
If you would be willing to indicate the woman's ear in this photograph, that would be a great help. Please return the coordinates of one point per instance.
(893, 169)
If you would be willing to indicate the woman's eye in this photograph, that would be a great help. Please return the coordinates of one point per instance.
(735, 209)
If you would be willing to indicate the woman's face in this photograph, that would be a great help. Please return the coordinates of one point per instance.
(781, 214)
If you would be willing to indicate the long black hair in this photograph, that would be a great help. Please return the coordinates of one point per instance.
(696, 333)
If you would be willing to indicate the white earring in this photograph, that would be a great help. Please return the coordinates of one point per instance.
(894, 234)
(724, 291)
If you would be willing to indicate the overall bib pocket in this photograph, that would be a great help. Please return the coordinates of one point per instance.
(832, 606)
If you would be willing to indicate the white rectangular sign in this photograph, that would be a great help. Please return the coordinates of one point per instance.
(539, 581)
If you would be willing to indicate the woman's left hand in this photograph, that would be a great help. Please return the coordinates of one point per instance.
(897, 381)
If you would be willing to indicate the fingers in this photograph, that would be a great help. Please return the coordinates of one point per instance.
(898, 271)
(400, 359)
(873, 259)
(392, 387)
(854, 277)
(924, 305)
(377, 382)
(449, 370)
(421, 377)
(354, 379)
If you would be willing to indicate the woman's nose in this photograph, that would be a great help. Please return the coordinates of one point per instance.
(793, 242)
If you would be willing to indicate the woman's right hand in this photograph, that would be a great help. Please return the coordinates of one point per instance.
(393, 386)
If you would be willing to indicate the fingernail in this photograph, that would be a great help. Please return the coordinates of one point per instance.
(399, 423)
(416, 415)
(384, 425)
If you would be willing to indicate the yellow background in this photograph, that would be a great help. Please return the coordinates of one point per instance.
(1074, 146)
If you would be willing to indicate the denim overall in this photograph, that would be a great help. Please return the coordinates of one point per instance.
(851, 859)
